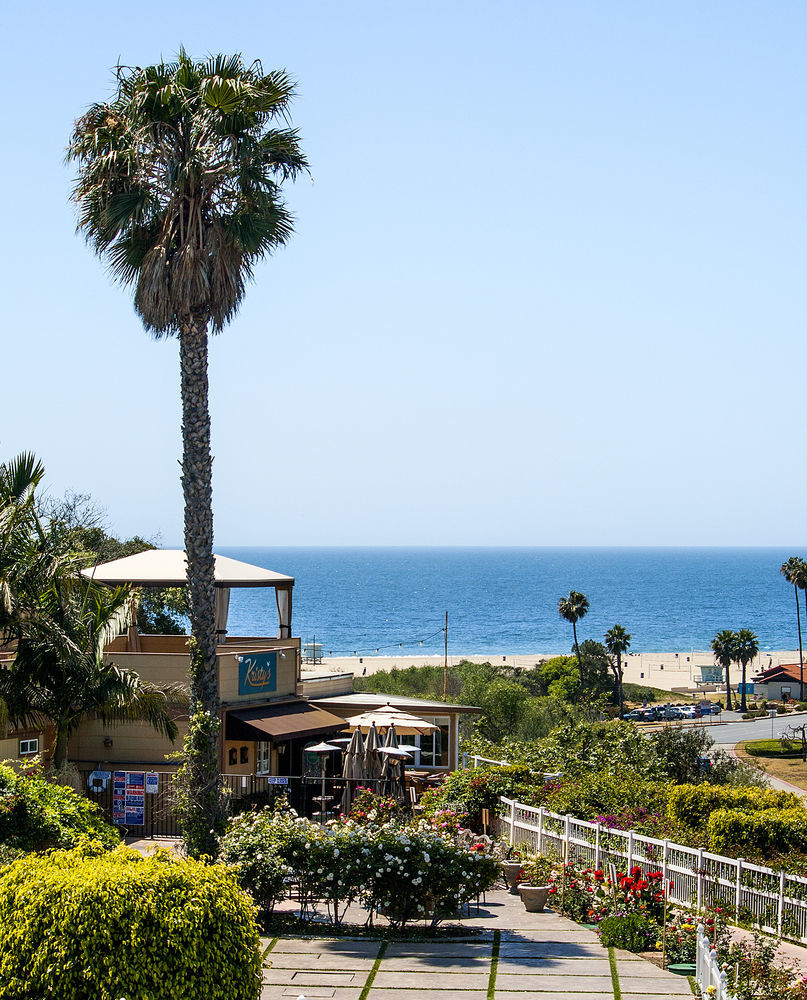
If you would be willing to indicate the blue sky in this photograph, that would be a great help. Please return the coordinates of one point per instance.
(547, 284)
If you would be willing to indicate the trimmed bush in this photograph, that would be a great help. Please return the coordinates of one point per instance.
(633, 932)
(692, 805)
(36, 814)
(87, 923)
(472, 791)
(769, 831)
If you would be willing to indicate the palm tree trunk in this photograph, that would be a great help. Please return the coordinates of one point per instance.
(197, 488)
(620, 693)
(728, 687)
(59, 758)
(801, 655)
(743, 701)
(579, 660)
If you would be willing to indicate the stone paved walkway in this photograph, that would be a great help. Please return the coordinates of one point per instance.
(541, 955)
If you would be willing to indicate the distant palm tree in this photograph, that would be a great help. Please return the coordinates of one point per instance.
(617, 641)
(724, 646)
(745, 649)
(179, 190)
(572, 609)
(795, 572)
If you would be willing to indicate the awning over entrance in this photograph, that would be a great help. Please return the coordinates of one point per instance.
(279, 723)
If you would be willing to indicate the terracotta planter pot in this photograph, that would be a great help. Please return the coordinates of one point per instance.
(534, 897)
(512, 871)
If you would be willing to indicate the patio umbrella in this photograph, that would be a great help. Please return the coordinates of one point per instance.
(352, 766)
(386, 715)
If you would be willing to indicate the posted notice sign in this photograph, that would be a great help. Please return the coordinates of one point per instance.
(129, 798)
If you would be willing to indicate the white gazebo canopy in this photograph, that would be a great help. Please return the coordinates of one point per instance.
(169, 568)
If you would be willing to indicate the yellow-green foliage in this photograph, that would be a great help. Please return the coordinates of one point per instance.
(769, 831)
(692, 805)
(84, 923)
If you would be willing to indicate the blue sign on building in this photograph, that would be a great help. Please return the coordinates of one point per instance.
(257, 673)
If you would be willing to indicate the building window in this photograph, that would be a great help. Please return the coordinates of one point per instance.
(233, 756)
(244, 755)
(434, 746)
(29, 746)
(263, 757)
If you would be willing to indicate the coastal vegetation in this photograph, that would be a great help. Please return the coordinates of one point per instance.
(794, 570)
(179, 191)
(55, 623)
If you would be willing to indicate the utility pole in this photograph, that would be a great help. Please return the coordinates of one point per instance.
(445, 663)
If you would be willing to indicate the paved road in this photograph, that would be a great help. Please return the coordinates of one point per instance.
(726, 732)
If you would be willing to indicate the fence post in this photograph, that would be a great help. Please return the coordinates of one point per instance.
(781, 915)
(630, 852)
(597, 846)
(512, 822)
(567, 834)
(665, 868)
(464, 761)
(738, 892)
(699, 903)
(540, 829)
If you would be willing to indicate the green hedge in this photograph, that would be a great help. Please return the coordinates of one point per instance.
(83, 923)
(693, 804)
(772, 748)
(36, 814)
(770, 831)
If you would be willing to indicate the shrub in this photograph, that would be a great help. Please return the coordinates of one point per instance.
(261, 871)
(764, 832)
(84, 923)
(633, 932)
(370, 808)
(472, 791)
(692, 805)
(588, 796)
(36, 814)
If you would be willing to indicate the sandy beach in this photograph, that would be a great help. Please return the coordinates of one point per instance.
(669, 671)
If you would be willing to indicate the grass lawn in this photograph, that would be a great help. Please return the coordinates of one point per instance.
(787, 768)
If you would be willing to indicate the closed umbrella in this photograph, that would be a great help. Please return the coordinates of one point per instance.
(372, 767)
(389, 764)
(352, 764)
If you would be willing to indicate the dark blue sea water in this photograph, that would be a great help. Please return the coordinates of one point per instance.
(505, 600)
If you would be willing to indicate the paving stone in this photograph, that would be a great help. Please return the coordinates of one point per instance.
(337, 962)
(418, 994)
(655, 985)
(585, 966)
(308, 977)
(565, 995)
(324, 945)
(654, 996)
(551, 949)
(310, 992)
(581, 983)
(443, 949)
(430, 964)
(431, 980)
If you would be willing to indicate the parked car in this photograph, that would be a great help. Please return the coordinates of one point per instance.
(641, 715)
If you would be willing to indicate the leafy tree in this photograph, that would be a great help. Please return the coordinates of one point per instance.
(617, 641)
(794, 570)
(572, 609)
(179, 190)
(724, 647)
(60, 674)
(745, 649)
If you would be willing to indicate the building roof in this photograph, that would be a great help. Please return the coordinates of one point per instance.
(782, 672)
(169, 568)
(367, 700)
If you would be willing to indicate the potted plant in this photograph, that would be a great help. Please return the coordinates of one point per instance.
(537, 876)
(511, 869)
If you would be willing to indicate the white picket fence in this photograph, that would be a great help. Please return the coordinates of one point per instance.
(708, 970)
(776, 902)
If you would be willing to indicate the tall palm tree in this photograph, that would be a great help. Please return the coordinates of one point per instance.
(572, 609)
(60, 673)
(617, 641)
(724, 646)
(746, 648)
(795, 572)
(178, 189)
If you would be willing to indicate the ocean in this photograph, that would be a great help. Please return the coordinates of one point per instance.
(390, 601)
